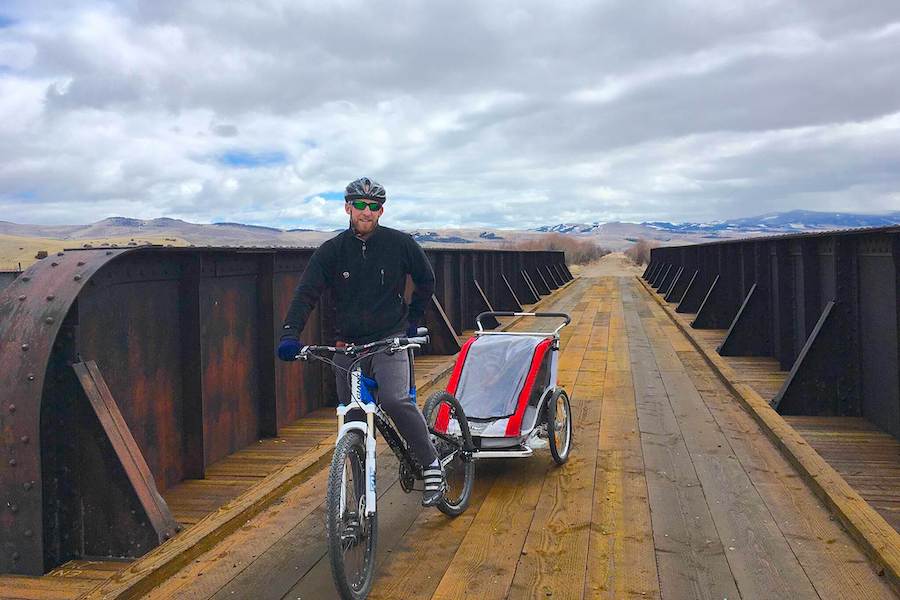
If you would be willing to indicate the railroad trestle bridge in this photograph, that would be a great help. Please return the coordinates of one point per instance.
(735, 429)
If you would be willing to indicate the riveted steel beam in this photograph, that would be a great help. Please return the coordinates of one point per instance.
(32, 310)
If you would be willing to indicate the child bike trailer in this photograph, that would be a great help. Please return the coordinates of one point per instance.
(506, 384)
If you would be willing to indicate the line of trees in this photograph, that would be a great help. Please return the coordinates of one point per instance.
(578, 251)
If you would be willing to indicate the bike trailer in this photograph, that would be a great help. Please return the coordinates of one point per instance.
(504, 381)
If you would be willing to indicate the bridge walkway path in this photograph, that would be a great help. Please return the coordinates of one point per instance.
(671, 491)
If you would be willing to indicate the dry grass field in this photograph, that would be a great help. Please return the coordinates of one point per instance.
(19, 252)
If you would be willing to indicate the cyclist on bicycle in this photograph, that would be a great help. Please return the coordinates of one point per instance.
(366, 266)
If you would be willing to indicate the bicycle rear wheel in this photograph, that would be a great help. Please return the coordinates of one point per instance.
(454, 453)
(351, 534)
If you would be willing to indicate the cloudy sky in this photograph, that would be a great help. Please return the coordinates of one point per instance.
(504, 114)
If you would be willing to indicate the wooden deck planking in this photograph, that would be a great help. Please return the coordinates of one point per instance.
(834, 563)
(762, 373)
(868, 458)
(760, 558)
(621, 558)
(870, 462)
(691, 557)
(553, 559)
(64, 582)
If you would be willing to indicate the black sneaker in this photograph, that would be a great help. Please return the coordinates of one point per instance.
(434, 485)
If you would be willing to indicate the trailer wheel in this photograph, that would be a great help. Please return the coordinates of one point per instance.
(559, 426)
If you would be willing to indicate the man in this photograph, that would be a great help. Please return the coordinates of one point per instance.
(366, 268)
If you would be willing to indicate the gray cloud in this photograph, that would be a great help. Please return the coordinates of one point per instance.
(505, 113)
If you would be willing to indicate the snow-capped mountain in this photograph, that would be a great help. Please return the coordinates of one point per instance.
(794, 221)
(576, 228)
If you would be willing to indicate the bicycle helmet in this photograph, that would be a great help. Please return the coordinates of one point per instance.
(365, 189)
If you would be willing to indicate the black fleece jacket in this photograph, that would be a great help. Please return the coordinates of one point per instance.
(368, 278)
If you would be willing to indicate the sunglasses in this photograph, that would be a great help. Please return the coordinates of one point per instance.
(362, 204)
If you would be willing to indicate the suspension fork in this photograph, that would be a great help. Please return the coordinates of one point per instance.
(368, 431)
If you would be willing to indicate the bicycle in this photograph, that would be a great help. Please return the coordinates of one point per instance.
(351, 521)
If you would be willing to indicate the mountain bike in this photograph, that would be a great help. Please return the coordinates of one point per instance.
(351, 517)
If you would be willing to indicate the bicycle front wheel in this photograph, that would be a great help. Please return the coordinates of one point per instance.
(352, 534)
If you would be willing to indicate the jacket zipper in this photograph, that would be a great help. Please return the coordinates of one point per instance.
(364, 250)
(382, 277)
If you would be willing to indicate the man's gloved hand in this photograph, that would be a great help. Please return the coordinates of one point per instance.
(412, 329)
(289, 348)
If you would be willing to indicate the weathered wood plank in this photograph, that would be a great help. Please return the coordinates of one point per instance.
(761, 559)
(434, 536)
(824, 481)
(830, 557)
(553, 560)
(621, 560)
(689, 553)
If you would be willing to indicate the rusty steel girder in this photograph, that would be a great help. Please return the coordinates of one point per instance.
(825, 305)
(183, 340)
(32, 310)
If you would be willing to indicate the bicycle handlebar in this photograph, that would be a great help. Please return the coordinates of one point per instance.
(390, 344)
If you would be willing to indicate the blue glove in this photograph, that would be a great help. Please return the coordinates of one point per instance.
(289, 348)
(412, 330)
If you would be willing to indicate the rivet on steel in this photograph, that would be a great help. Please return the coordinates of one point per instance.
(48, 320)
(27, 486)
(24, 347)
(54, 264)
(30, 377)
(15, 556)
(27, 533)
(24, 439)
(25, 278)
(14, 508)
(80, 263)
(21, 298)
(12, 462)
(50, 297)
(12, 408)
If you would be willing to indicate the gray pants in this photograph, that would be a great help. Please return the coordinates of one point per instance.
(392, 371)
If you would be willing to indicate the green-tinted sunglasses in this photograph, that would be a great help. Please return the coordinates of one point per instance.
(362, 204)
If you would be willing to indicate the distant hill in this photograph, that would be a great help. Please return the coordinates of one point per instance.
(216, 234)
(613, 235)
(617, 235)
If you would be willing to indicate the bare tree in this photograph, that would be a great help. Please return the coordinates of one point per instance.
(639, 252)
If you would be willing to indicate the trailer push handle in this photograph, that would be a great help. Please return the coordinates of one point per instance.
(567, 318)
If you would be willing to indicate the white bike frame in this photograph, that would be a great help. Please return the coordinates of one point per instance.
(367, 428)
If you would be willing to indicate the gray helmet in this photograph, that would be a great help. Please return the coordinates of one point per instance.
(365, 189)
